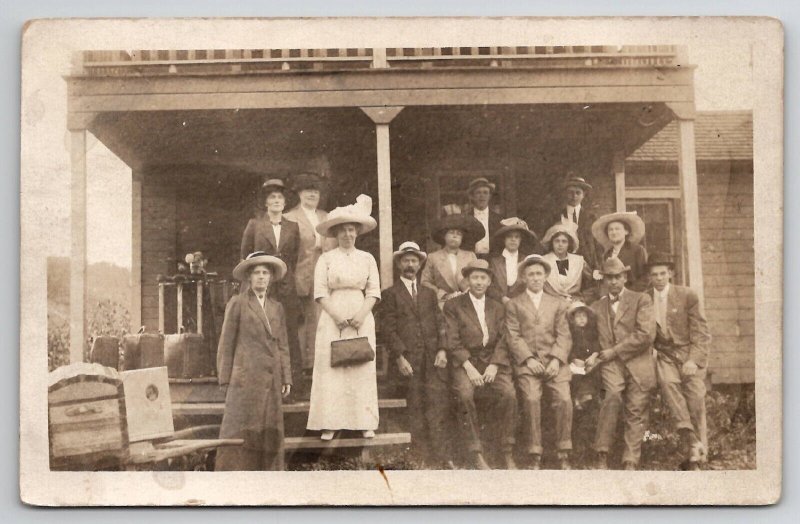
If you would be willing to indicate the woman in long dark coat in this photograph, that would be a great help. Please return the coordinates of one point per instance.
(253, 366)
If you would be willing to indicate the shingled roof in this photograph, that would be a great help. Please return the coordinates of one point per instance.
(719, 135)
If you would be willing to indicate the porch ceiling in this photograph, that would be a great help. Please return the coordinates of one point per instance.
(247, 138)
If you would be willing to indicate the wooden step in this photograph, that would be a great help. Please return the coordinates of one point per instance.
(380, 439)
(218, 408)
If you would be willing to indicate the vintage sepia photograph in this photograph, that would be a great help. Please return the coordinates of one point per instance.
(531, 253)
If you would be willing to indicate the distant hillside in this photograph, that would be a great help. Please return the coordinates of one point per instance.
(105, 282)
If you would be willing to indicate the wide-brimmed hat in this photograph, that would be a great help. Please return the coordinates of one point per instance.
(480, 182)
(660, 259)
(578, 182)
(516, 224)
(476, 265)
(576, 306)
(358, 213)
(531, 260)
(614, 266)
(305, 181)
(257, 258)
(568, 229)
(471, 226)
(633, 220)
(273, 184)
(410, 247)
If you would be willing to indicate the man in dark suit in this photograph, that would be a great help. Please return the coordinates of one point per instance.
(573, 212)
(480, 192)
(480, 366)
(413, 329)
(539, 342)
(626, 328)
(682, 339)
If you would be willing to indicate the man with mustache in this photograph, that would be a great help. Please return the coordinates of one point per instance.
(413, 329)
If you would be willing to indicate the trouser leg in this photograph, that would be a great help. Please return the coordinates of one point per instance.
(529, 388)
(290, 307)
(694, 390)
(438, 413)
(613, 379)
(308, 331)
(415, 409)
(502, 416)
(636, 404)
(466, 412)
(561, 403)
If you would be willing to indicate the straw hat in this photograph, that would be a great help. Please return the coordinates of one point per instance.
(476, 265)
(567, 229)
(577, 181)
(410, 247)
(531, 260)
(516, 224)
(358, 213)
(480, 182)
(471, 226)
(257, 258)
(634, 222)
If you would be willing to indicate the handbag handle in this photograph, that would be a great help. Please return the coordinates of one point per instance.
(340, 331)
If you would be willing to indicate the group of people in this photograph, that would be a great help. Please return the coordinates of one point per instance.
(478, 332)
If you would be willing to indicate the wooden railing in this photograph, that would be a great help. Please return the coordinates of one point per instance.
(227, 61)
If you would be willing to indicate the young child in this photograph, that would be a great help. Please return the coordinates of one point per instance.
(585, 347)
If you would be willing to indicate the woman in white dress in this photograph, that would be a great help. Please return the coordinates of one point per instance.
(347, 287)
(569, 269)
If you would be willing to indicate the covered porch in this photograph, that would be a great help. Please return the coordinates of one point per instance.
(408, 127)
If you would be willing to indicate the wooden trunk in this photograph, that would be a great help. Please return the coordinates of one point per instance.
(87, 423)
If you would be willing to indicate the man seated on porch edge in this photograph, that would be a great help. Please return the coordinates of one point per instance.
(480, 367)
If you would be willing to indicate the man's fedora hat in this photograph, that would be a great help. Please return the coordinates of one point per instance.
(410, 247)
(567, 229)
(516, 224)
(480, 182)
(471, 227)
(661, 259)
(577, 181)
(476, 265)
(630, 218)
(276, 265)
(531, 260)
(614, 266)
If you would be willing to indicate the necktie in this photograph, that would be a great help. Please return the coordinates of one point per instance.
(662, 312)
(612, 300)
(575, 215)
(563, 266)
(263, 303)
(414, 291)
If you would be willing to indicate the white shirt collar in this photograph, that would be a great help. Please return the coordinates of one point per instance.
(481, 212)
(664, 292)
(407, 283)
(509, 254)
(576, 208)
(476, 300)
(533, 295)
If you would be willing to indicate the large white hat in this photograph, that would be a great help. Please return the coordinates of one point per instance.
(634, 222)
(358, 213)
(277, 265)
(568, 229)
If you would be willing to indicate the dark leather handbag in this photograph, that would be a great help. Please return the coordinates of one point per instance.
(351, 351)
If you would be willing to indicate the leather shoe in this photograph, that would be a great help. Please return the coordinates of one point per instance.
(508, 461)
(536, 462)
(602, 460)
(629, 466)
(694, 466)
(448, 464)
(480, 462)
(564, 464)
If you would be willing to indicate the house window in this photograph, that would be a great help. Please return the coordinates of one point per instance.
(661, 214)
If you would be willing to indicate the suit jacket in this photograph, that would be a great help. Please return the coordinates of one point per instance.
(414, 331)
(494, 225)
(588, 247)
(438, 276)
(541, 333)
(630, 333)
(687, 336)
(253, 360)
(465, 337)
(259, 236)
(635, 256)
(308, 253)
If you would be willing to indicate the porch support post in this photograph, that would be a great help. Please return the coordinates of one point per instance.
(382, 116)
(619, 180)
(136, 250)
(77, 287)
(687, 168)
